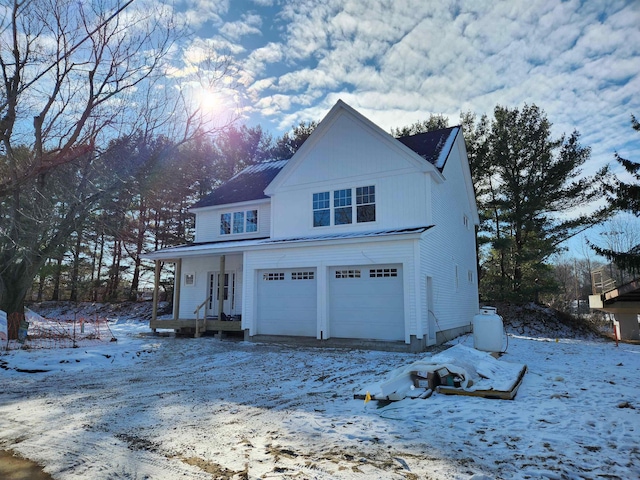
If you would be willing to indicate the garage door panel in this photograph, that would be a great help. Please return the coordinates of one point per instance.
(287, 302)
(367, 302)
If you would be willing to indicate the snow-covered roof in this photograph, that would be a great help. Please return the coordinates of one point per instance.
(241, 245)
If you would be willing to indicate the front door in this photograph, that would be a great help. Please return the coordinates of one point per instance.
(228, 307)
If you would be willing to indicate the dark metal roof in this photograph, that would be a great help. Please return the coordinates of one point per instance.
(335, 236)
(249, 184)
(241, 245)
(431, 145)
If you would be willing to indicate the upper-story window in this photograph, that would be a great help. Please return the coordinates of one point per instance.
(239, 222)
(366, 204)
(252, 221)
(321, 209)
(342, 208)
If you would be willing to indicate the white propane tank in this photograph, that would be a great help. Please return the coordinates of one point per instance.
(487, 330)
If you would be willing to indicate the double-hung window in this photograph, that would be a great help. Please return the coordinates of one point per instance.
(342, 210)
(366, 204)
(342, 207)
(239, 222)
(321, 209)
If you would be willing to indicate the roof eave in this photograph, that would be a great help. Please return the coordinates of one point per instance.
(220, 248)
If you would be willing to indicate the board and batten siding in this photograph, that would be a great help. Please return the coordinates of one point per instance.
(396, 203)
(202, 266)
(322, 258)
(347, 149)
(447, 248)
(350, 154)
(208, 221)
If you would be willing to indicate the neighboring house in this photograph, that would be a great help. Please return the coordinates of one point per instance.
(358, 236)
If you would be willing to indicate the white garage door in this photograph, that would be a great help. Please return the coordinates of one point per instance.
(287, 302)
(366, 302)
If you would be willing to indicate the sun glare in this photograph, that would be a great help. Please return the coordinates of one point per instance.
(210, 101)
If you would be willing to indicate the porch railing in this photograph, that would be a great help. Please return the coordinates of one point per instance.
(204, 317)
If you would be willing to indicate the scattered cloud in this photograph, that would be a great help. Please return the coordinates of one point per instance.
(248, 25)
(400, 61)
(200, 12)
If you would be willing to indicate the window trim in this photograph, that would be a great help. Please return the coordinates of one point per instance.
(368, 203)
(231, 229)
(343, 206)
(320, 209)
(335, 204)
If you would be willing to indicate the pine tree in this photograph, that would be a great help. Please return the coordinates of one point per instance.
(532, 185)
(625, 197)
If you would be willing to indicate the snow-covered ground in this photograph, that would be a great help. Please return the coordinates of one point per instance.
(149, 407)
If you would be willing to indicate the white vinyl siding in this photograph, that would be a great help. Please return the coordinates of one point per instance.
(257, 222)
(201, 267)
(447, 251)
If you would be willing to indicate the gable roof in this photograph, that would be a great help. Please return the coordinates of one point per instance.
(247, 185)
(251, 183)
(434, 146)
(339, 109)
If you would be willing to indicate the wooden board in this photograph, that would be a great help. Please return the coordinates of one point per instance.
(494, 394)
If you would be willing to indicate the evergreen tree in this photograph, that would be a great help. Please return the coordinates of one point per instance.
(433, 123)
(290, 143)
(533, 186)
(625, 197)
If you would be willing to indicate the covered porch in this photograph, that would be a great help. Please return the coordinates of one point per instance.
(218, 290)
(207, 294)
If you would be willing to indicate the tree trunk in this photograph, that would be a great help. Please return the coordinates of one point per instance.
(99, 274)
(142, 228)
(55, 296)
(114, 274)
(41, 282)
(15, 282)
(76, 267)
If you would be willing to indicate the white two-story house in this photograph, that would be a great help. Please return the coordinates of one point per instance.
(358, 236)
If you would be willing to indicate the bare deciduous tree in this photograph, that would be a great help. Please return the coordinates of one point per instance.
(75, 75)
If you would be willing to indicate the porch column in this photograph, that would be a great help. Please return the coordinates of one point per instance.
(177, 283)
(221, 287)
(156, 286)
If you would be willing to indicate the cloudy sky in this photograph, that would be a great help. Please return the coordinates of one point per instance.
(400, 61)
